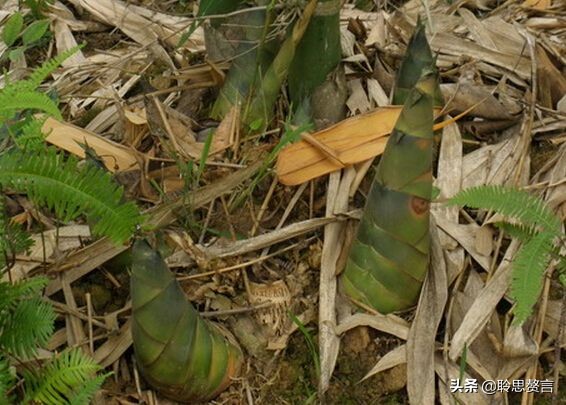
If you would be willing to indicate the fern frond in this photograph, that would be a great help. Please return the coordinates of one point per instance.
(85, 393)
(7, 380)
(27, 100)
(30, 136)
(13, 239)
(511, 202)
(529, 265)
(26, 321)
(58, 380)
(10, 293)
(57, 183)
(23, 94)
(11, 102)
(29, 326)
(48, 67)
(520, 232)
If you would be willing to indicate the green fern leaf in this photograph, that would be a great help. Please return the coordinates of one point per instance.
(23, 94)
(30, 325)
(529, 265)
(71, 370)
(85, 393)
(10, 294)
(26, 321)
(58, 184)
(514, 203)
(48, 67)
(13, 239)
(520, 232)
(7, 380)
(10, 102)
(30, 136)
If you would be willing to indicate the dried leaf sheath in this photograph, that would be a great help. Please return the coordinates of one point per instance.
(389, 258)
(178, 353)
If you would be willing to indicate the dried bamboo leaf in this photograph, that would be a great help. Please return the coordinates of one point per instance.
(115, 346)
(482, 348)
(353, 140)
(450, 44)
(69, 137)
(328, 341)
(463, 95)
(493, 164)
(484, 305)
(45, 245)
(391, 324)
(465, 236)
(144, 26)
(273, 237)
(391, 359)
(448, 372)
(421, 344)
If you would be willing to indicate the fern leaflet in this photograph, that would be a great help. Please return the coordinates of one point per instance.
(510, 202)
(21, 290)
(520, 232)
(13, 239)
(6, 381)
(22, 94)
(48, 67)
(29, 326)
(10, 103)
(528, 268)
(59, 380)
(49, 180)
(26, 321)
(30, 136)
(84, 393)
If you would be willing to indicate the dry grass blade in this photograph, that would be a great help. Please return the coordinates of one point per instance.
(273, 237)
(483, 306)
(422, 335)
(394, 358)
(391, 324)
(328, 342)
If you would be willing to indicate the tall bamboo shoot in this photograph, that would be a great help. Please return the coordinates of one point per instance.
(388, 260)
